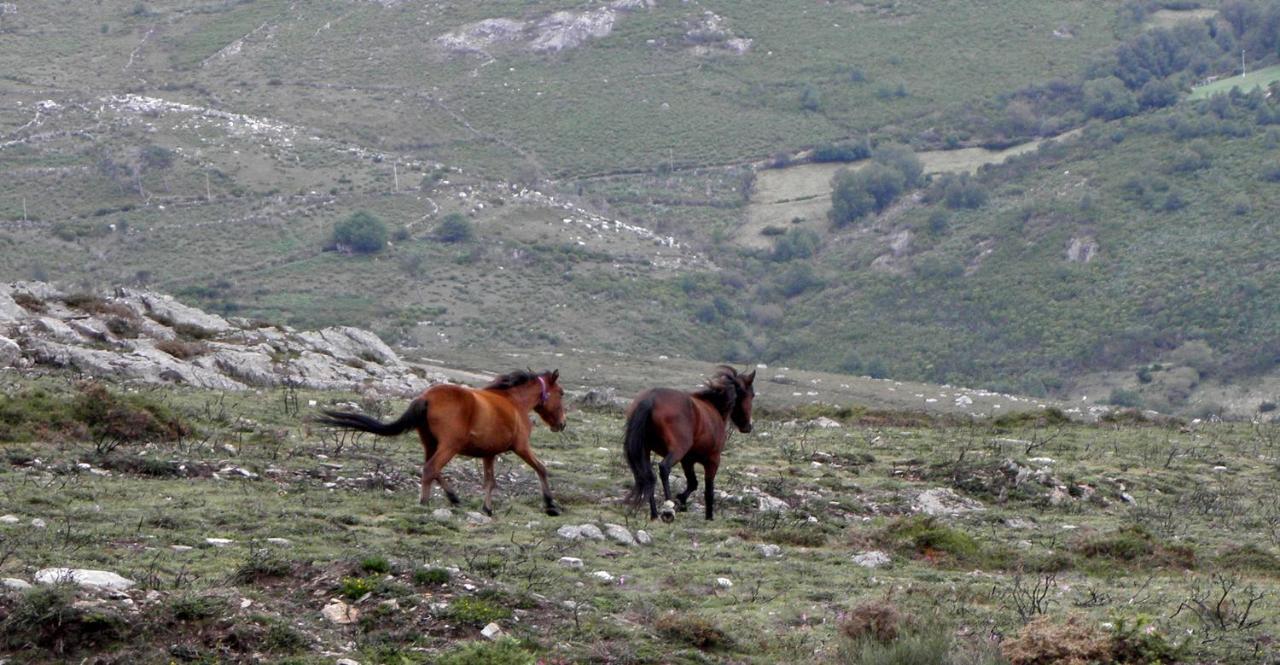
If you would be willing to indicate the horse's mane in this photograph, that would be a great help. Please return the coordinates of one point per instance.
(512, 379)
(721, 390)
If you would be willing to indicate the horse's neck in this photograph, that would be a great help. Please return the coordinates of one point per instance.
(520, 397)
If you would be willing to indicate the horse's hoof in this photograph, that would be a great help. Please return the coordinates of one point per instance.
(553, 511)
(453, 499)
(682, 507)
(668, 512)
(487, 511)
(422, 501)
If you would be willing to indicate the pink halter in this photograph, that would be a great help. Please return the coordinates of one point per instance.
(543, 397)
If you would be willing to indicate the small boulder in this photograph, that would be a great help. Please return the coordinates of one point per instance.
(340, 613)
(570, 562)
(478, 519)
(492, 631)
(14, 584)
(724, 583)
(591, 531)
(603, 575)
(644, 538)
(944, 501)
(569, 532)
(772, 504)
(442, 514)
(280, 542)
(620, 534)
(218, 542)
(9, 519)
(872, 559)
(769, 551)
(38, 523)
(94, 579)
(10, 352)
(346, 661)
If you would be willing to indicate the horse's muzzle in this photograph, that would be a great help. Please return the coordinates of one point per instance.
(558, 428)
(745, 429)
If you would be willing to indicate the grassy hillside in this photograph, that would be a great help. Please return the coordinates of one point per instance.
(1134, 530)
(208, 149)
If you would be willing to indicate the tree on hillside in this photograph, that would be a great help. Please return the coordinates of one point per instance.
(361, 233)
(856, 194)
(903, 160)
(455, 227)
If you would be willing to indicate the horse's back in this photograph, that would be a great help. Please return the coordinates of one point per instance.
(481, 419)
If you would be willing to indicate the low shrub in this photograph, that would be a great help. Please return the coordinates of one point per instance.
(877, 620)
(431, 576)
(692, 629)
(476, 611)
(505, 651)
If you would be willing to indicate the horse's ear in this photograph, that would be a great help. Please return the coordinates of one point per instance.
(749, 378)
(555, 374)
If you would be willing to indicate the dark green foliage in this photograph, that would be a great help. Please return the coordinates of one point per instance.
(1108, 99)
(924, 535)
(45, 617)
(431, 576)
(375, 564)
(856, 194)
(1157, 94)
(191, 607)
(455, 228)
(797, 279)
(476, 611)
(361, 233)
(795, 244)
(962, 191)
(901, 159)
(260, 563)
(810, 99)
(505, 651)
(841, 152)
(1125, 398)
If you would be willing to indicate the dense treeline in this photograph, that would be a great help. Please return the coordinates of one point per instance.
(1148, 70)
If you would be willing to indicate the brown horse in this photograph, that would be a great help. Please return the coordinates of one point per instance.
(486, 422)
(689, 428)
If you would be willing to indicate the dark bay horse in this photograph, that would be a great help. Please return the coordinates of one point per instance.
(689, 428)
(486, 422)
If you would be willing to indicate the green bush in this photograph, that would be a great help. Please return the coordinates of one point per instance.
(356, 587)
(455, 228)
(431, 576)
(505, 651)
(361, 232)
(476, 611)
(375, 564)
(1126, 398)
(795, 244)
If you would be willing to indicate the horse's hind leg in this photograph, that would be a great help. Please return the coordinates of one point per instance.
(709, 472)
(526, 453)
(668, 511)
(429, 446)
(490, 482)
(431, 473)
(691, 484)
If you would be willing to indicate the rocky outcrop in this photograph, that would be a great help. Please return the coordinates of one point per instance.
(142, 336)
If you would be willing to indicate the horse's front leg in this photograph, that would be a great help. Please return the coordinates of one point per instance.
(526, 453)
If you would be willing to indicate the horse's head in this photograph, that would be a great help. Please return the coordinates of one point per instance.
(744, 394)
(550, 405)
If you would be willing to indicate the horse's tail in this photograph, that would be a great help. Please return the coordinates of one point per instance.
(413, 417)
(636, 450)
